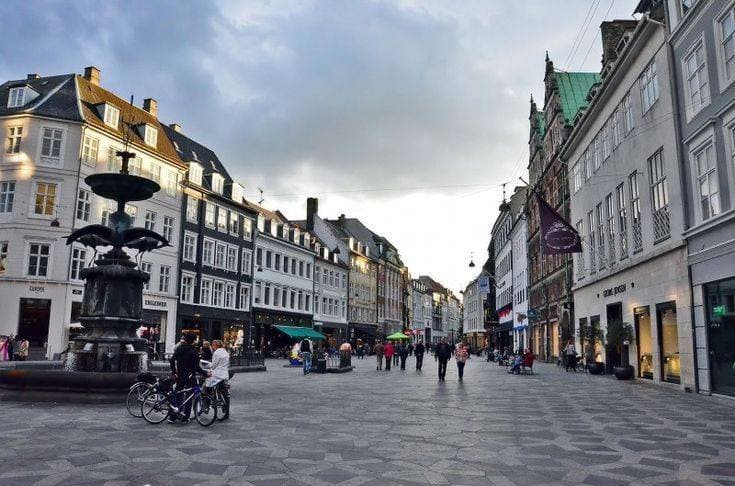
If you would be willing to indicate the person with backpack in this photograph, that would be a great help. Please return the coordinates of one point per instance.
(306, 348)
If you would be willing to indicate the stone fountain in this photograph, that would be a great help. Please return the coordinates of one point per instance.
(113, 289)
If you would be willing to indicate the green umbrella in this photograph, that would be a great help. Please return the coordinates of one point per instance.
(397, 336)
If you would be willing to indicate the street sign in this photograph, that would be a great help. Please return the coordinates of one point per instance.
(719, 310)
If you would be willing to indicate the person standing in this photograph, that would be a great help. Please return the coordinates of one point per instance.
(396, 353)
(419, 350)
(389, 351)
(219, 373)
(206, 353)
(10, 346)
(24, 347)
(442, 353)
(379, 349)
(184, 364)
(461, 355)
(404, 355)
(570, 353)
(306, 349)
(4, 349)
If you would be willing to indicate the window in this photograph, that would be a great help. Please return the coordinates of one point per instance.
(577, 177)
(616, 129)
(3, 257)
(208, 252)
(696, 79)
(51, 143)
(114, 163)
(219, 255)
(234, 223)
(168, 228)
(610, 213)
(659, 196)
(293, 266)
(150, 220)
(45, 199)
(12, 143)
(164, 278)
(627, 108)
(218, 293)
(187, 288)
(268, 259)
(259, 257)
(247, 229)
(147, 268)
(78, 262)
(727, 43)
(190, 247)
(285, 263)
(84, 205)
(600, 220)
(154, 171)
(192, 209)
(90, 150)
(649, 87)
(278, 262)
(221, 219)
(267, 294)
(135, 166)
(709, 192)
(7, 195)
(606, 149)
(205, 292)
(258, 289)
(131, 211)
(635, 212)
(38, 259)
(301, 268)
(308, 271)
(172, 181)
(247, 263)
(112, 116)
(195, 173)
(232, 252)
(244, 297)
(276, 296)
(230, 295)
(597, 153)
(622, 221)
(151, 136)
(209, 217)
(17, 97)
(218, 183)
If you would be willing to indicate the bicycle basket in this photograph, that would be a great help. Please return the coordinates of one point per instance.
(146, 377)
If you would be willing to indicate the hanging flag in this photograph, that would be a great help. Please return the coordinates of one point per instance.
(484, 284)
(557, 236)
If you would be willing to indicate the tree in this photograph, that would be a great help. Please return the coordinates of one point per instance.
(619, 333)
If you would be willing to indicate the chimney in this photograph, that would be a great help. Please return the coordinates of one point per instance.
(151, 106)
(33, 76)
(92, 74)
(312, 209)
(175, 127)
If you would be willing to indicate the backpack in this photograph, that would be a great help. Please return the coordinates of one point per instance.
(305, 346)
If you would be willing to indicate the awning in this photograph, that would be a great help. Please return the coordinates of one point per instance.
(296, 332)
(504, 327)
(366, 329)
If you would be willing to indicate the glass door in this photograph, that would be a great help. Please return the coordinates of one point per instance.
(668, 335)
(720, 312)
(644, 342)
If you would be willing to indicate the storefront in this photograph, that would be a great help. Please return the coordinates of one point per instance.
(720, 320)
(364, 333)
(653, 298)
(208, 323)
(335, 333)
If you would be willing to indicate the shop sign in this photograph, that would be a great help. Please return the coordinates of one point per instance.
(154, 303)
(614, 290)
(484, 284)
(37, 289)
(76, 291)
(719, 310)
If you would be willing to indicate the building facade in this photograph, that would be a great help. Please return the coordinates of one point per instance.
(519, 267)
(60, 129)
(550, 277)
(421, 300)
(703, 45)
(330, 295)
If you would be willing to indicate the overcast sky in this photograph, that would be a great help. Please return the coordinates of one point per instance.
(405, 114)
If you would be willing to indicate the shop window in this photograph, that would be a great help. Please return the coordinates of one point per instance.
(720, 318)
(668, 333)
(644, 342)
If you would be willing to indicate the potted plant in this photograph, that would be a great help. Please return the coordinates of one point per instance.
(589, 336)
(619, 335)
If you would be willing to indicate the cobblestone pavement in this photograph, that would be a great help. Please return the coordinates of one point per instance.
(370, 427)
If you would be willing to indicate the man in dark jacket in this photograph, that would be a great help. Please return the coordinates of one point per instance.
(419, 350)
(184, 364)
(403, 352)
(443, 352)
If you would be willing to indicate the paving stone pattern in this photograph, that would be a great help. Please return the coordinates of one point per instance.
(370, 427)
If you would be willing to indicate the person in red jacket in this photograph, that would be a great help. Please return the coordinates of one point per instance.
(388, 351)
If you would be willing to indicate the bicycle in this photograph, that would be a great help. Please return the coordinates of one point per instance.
(157, 405)
(137, 393)
(222, 399)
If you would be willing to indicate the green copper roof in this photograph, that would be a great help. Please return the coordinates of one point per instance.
(541, 123)
(573, 89)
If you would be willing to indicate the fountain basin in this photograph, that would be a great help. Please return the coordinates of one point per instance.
(122, 187)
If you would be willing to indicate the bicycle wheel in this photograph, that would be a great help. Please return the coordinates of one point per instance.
(155, 407)
(205, 409)
(222, 397)
(135, 398)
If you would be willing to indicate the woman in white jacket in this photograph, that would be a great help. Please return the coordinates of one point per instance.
(219, 373)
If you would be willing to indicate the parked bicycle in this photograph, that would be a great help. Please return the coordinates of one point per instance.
(165, 400)
(138, 391)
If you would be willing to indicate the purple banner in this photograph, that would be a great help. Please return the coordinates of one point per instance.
(557, 236)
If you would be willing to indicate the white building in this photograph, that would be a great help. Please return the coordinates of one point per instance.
(59, 130)
(283, 286)
(503, 276)
(420, 309)
(626, 202)
(330, 295)
(519, 238)
(473, 309)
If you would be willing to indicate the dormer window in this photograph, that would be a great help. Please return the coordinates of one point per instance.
(261, 223)
(150, 135)
(296, 235)
(195, 173)
(110, 115)
(284, 233)
(274, 227)
(218, 183)
(238, 193)
(317, 248)
(17, 97)
(307, 239)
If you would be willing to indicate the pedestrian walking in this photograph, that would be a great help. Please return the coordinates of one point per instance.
(419, 351)
(306, 349)
(396, 353)
(5, 345)
(442, 353)
(460, 356)
(379, 350)
(389, 351)
(10, 346)
(404, 355)
(570, 355)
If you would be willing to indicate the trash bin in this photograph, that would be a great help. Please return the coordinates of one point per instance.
(321, 365)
